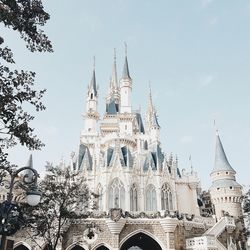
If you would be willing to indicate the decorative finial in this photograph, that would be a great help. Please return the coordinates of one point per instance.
(126, 48)
(191, 164)
(94, 62)
(110, 83)
(151, 106)
(216, 129)
(114, 54)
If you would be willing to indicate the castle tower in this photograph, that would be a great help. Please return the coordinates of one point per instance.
(91, 115)
(225, 192)
(126, 88)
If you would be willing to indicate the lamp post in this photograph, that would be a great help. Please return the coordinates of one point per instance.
(11, 218)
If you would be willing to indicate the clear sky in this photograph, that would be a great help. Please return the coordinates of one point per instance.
(196, 54)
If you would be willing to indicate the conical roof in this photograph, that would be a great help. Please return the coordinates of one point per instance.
(92, 86)
(221, 162)
(125, 72)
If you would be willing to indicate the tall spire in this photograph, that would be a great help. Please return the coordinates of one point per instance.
(221, 162)
(114, 73)
(150, 101)
(92, 86)
(151, 113)
(125, 72)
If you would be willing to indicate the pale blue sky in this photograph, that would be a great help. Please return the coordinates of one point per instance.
(195, 53)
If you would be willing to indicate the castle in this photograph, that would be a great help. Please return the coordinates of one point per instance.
(120, 155)
(145, 201)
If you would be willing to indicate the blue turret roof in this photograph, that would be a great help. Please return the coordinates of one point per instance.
(112, 107)
(154, 158)
(125, 72)
(84, 158)
(93, 86)
(140, 123)
(221, 162)
(155, 122)
(125, 156)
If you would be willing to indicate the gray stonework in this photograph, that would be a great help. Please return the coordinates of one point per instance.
(150, 227)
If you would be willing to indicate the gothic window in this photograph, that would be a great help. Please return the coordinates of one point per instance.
(116, 194)
(170, 201)
(166, 198)
(100, 196)
(150, 198)
(91, 96)
(133, 198)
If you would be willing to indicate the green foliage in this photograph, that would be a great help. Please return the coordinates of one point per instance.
(246, 212)
(17, 87)
(246, 202)
(65, 198)
(25, 16)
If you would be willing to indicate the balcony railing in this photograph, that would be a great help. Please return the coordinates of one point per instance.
(201, 243)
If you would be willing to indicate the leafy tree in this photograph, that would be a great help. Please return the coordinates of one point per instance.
(65, 197)
(246, 210)
(17, 87)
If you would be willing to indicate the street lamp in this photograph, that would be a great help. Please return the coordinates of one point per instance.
(11, 217)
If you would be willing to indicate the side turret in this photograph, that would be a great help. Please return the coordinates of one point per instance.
(225, 192)
(126, 88)
(91, 115)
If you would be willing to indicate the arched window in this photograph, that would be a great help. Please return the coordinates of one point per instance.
(166, 197)
(100, 196)
(133, 198)
(21, 247)
(140, 241)
(150, 198)
(77, 248)
(102, 248)
(116, 194)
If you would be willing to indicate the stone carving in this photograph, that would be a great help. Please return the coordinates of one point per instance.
(115, 214)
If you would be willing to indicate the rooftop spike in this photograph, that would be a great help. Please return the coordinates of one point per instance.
(94, 62)
(221, 162)
(92, 85)
(126, 48)
(114, 73)
(125, 73)
(150, 101)
(151, 112)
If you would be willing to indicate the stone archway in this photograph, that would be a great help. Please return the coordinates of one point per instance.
(77, 248)
(21, 247)
(140, 241)
(102, 248)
